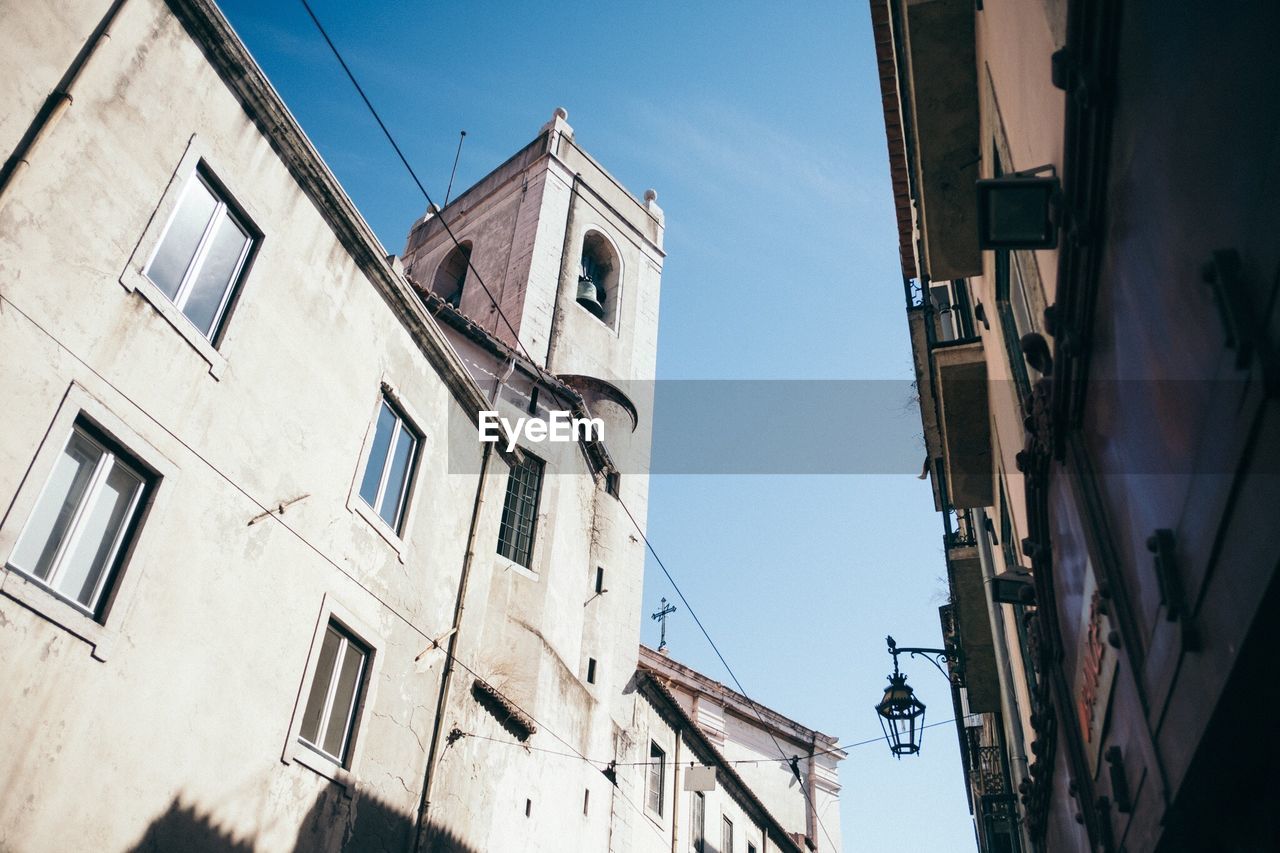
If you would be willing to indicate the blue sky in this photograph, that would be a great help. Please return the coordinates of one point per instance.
(759, 125)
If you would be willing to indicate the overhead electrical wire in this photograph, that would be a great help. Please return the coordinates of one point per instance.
(544, 727)
(404, 160)
(804, 789)
(498, 308)
(734, 762)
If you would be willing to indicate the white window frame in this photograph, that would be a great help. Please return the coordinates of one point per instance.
(196, 160)
(400, 431)
(21, 592)
(222, 211)
(396, 538)
(108, 459)
(345, 643)
(298, 751)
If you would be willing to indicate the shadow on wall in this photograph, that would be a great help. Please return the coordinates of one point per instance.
(184, 828)
(359, 824)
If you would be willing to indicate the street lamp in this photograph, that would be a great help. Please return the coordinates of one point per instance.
(901, 713)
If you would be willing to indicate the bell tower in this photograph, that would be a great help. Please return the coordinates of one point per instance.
(545, 277)
(551, 252)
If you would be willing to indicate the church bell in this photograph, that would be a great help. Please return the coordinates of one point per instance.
(589, 296)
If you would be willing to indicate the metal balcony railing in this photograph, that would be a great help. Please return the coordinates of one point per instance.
(960, 528)
(988, 771)
(946, 308)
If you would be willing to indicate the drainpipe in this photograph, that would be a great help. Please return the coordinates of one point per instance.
(53, 108)
(424, 806)
(675, 792)
(1008, 710)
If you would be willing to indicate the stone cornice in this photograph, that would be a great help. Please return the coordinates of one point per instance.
(735, 702)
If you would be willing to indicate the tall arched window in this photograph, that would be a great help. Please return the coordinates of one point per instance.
(451, 275)
(598, 278)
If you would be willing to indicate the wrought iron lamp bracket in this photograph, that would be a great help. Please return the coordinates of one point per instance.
(950, 654)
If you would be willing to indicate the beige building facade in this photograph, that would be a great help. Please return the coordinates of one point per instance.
(203, 621)
(1098, 404)
(792, 770)
(263, 586)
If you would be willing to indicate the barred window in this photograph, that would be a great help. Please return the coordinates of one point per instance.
(520, 511)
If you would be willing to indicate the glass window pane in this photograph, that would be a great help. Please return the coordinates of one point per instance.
(378, 455)
(393, 493)
(520, 511)
(182, 238)
(657, 768)
(1017, 213)
(344, 700)
(97, 535)
(217, 274)
(1019, 302)
(310, 729)
(57, 505)
(699, 821)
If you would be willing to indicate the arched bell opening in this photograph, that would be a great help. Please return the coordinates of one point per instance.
(597, 288)
(451, 275)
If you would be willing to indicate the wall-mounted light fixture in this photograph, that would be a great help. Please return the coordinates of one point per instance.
(901, 713)
(1013, 587)
(1019, 210)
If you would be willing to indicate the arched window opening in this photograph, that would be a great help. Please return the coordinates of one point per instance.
(598, 277)
(451, 275)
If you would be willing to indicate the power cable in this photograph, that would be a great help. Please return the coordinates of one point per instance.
(750, 702)
(544, 727)
(391, 139)
(734, 762)
(404, 160)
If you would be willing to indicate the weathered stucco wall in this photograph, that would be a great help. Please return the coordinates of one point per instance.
(543, 624)
(641, 828)
(180, 731)
(177, 710)
(758, 751)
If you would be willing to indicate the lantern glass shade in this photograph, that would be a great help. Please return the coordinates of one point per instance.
(1016, 212)
(901, 717)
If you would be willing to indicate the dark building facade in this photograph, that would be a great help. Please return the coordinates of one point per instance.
(1099, 400)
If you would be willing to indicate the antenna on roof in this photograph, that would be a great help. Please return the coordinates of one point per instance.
(462, 134)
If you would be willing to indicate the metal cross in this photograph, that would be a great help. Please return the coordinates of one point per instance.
(661, 616)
